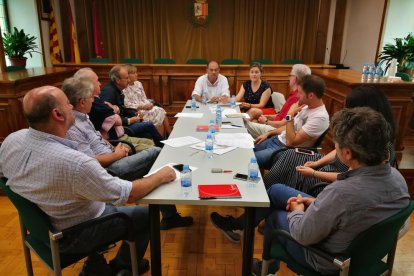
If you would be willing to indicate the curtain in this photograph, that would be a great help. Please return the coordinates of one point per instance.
(239, 29)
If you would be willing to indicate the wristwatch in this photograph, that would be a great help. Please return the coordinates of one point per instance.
(288, 118)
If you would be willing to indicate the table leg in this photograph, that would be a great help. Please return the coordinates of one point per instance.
(248, 243)
(155, 241)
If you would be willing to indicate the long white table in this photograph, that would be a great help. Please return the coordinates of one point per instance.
(236, 160)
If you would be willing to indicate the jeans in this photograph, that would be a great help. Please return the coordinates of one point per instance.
(134, 166)
(143, 129)
(278, 195)
(265, 150)
(94, 237)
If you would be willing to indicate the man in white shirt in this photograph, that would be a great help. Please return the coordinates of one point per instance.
(213, 84)
(305, 122)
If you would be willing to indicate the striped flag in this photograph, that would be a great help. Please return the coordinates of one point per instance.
(55, 55)
(74, 47)
(99, 51)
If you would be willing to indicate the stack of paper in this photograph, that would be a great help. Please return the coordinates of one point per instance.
(240, 140)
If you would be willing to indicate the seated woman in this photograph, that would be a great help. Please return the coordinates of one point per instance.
(255, 94)
(302, 171)
(135, 97)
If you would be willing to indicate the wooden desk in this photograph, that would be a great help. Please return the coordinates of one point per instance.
(13, 87)
(340, 82)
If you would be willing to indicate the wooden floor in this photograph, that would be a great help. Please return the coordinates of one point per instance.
(196, 250)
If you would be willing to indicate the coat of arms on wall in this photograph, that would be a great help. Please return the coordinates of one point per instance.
(200, 13)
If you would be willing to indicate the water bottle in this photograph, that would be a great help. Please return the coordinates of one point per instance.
(193, 103)
(378, 73)
(218, 116)
(186, 186)
(233, 101)
(204, 97)
(364, 75)
(212, 128)
(209, 145)
(371, 71)
(253, 171)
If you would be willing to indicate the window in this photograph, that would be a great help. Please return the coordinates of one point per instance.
(4, 21)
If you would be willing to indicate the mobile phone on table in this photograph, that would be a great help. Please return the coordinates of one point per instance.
(304, 151)
(240, 176)
(178, 167)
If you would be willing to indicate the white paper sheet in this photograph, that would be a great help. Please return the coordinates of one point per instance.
(189, 115)
(177, 173)
(217, 149)
(240, 140)
(181, 141)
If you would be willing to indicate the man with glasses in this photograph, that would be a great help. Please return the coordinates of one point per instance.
(270, 122)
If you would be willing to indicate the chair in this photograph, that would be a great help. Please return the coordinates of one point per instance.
(39, 236)
(100, 60)
(263, 61)
(197, 61)
(278, 100)
(231, 61)
(403, 76)
(363, 256)
(164, 61)
(131, 60)
(292, 61)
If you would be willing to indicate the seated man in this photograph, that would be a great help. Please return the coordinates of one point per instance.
(71, 187)
(305, 122)
(112, 95)
(267, 123)
(213, 84)
(369, 192)
(115, 160)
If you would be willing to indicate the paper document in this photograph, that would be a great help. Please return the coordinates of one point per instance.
(177, 173)
(181, 141)
(240, 140)
(217, 149)
(237, 115)
(188, 115)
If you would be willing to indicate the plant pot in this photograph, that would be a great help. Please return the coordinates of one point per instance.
(18, 61)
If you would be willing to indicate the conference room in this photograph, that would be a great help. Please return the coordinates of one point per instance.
(170, 44)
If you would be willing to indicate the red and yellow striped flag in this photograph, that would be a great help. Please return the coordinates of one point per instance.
(74, 47)
(55, 56)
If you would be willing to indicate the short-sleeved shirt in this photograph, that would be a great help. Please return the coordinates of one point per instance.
(293, 98)
(69, 186)
(313, 121)
(217, 89)
(254, 97)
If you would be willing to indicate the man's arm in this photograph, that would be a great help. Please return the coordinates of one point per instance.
(268, 134)
(141, 187)
(120, 151)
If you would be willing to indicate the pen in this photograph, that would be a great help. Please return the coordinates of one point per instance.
(236, 125)
(227, 171)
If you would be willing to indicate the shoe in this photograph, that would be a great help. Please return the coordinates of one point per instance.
(225, 225)
(257, 268)
(143, 267)
(175, 221)
(95, 265)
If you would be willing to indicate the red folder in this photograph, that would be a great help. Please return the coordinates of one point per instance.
(211, 191)
(206, 127)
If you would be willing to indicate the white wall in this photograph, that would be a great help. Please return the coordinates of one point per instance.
(23, 15)
(399, 20)
(362, 30)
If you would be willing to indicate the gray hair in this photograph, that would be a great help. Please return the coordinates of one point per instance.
(301, 70)
(365, 132)
(114, 73)
(84, 73)
(77, 89)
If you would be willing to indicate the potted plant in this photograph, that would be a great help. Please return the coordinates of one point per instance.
(402, 51)
(16, 44)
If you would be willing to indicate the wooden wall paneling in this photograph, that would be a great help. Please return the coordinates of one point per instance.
(322, 32)
(338, 32)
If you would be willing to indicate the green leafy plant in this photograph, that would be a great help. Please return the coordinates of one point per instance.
(402, 51)
(16, 44)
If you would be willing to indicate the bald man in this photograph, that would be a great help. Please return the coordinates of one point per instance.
(70, 187)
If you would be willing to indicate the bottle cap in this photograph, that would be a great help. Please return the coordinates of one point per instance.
(186, 167)
(253, 160)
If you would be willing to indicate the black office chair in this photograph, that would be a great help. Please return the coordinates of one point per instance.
(403, 76)
(231, 61)
(197, 61)
(363, 256)
(131, 60)
(38, 235)
(292, 61)
(164, 61)
(100, 60)
(263, 61)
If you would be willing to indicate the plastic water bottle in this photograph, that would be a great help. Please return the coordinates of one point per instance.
(253, 171)
(364, 75)
(218, 116)
(186, 179)
(378, 73)
(212, 128)
(204, 97)
(371, 71)
(209, 145)
(193, 103)
(233, 101)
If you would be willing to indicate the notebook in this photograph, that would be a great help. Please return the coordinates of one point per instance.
(211, 191)
(206, 127)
